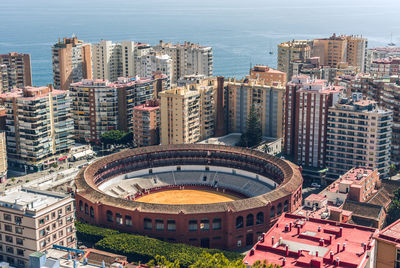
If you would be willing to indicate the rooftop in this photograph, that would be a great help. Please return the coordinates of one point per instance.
(29, 199)
(390, 234)
(301, 242)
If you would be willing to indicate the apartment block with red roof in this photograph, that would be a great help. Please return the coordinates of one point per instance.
(388, 246)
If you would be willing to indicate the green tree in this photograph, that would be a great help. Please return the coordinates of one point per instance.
(218, 260)
(116, 137)
(394, 211)
(392, 170)
(253, 134)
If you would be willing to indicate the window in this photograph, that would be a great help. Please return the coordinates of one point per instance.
(250, 220)
(279, 210)
(70, 239)
(171, 225)
(41, 221)
(239, 222)
(147, 224)
(272, 212)
(19, 241)
(204, 224)
(159, 225)
(10, 250)
(42, 232)
(193, 225)
(18, 220)
(86, 209)
(7, 217)
(91, 212)
(53, 215)
(9, 239)
(20, 263)
(8, 228)
(128, 220)
(68, 208)
(20, 252)
(81, 205)
(60, 211)
(109, 216)
(260, 218)
(118, 219)
(286, 206)
(216, 225)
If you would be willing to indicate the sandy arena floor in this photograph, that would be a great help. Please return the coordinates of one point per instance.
(181, 197)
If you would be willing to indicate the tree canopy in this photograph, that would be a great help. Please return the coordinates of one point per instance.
(394, 208)
(253, 134)
(116, 137)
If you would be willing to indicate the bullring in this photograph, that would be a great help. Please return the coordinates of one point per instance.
(261, 186)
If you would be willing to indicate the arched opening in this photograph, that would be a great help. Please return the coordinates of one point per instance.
(91, 212)
(279, 209)
(118, 218)
(80, 205)
(239, 222)
(86, 209)
(260, 218)
(250, 220)
(286, 206)
(272, 212)
(109, 216)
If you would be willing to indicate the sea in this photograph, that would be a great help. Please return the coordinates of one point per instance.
(242, 33)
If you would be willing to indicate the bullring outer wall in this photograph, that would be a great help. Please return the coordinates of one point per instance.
(95, 207)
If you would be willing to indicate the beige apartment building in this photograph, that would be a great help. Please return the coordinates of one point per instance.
(359, 134)
(188, 113)
(34, 220)
(72, 62)
(268, 101)
(270, 76)
(187, 59)
(292, 51)
(3, 156)
(15, 71)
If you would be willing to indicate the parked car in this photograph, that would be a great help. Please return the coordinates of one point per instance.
(316, 185)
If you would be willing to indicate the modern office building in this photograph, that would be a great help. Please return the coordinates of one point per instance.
(100, 106)
(187, 59)
(146, 125)
(39, 127)
(267, 101)
(306, 114)
(114, 60)
(15, 71)
(270, 76)
(33, 220)
(358, 135)
(188, 113)
(149, 64)
(289, 52)
(72, 62)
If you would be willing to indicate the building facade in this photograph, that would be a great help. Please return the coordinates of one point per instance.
(100, 106)
(289, 52)
(188, 113)
(3, 156)
(146, 125)
(39, 127)
(306, 115)
(267, 101)
(33, 220)
(149, 64)
(15, 71)
(187, 59)
(114, 60)
(270, 76)
(359, 135)
(385, 67)
(388, 246)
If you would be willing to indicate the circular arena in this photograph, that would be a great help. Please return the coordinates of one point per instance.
(199, 194)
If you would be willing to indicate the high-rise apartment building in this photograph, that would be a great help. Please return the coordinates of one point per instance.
(146, 125)
(15, 71)
(385, 67)
(289, 52)
(114, 60)
(270, 76)
(39, 127)
(188, 113)
(358, 135)
(306, 115)
(72, 62)
(339, 49)
(187, 59)
(149, 64)
(267, 101)
(99, 105)
(34, 220)
(3, 156)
